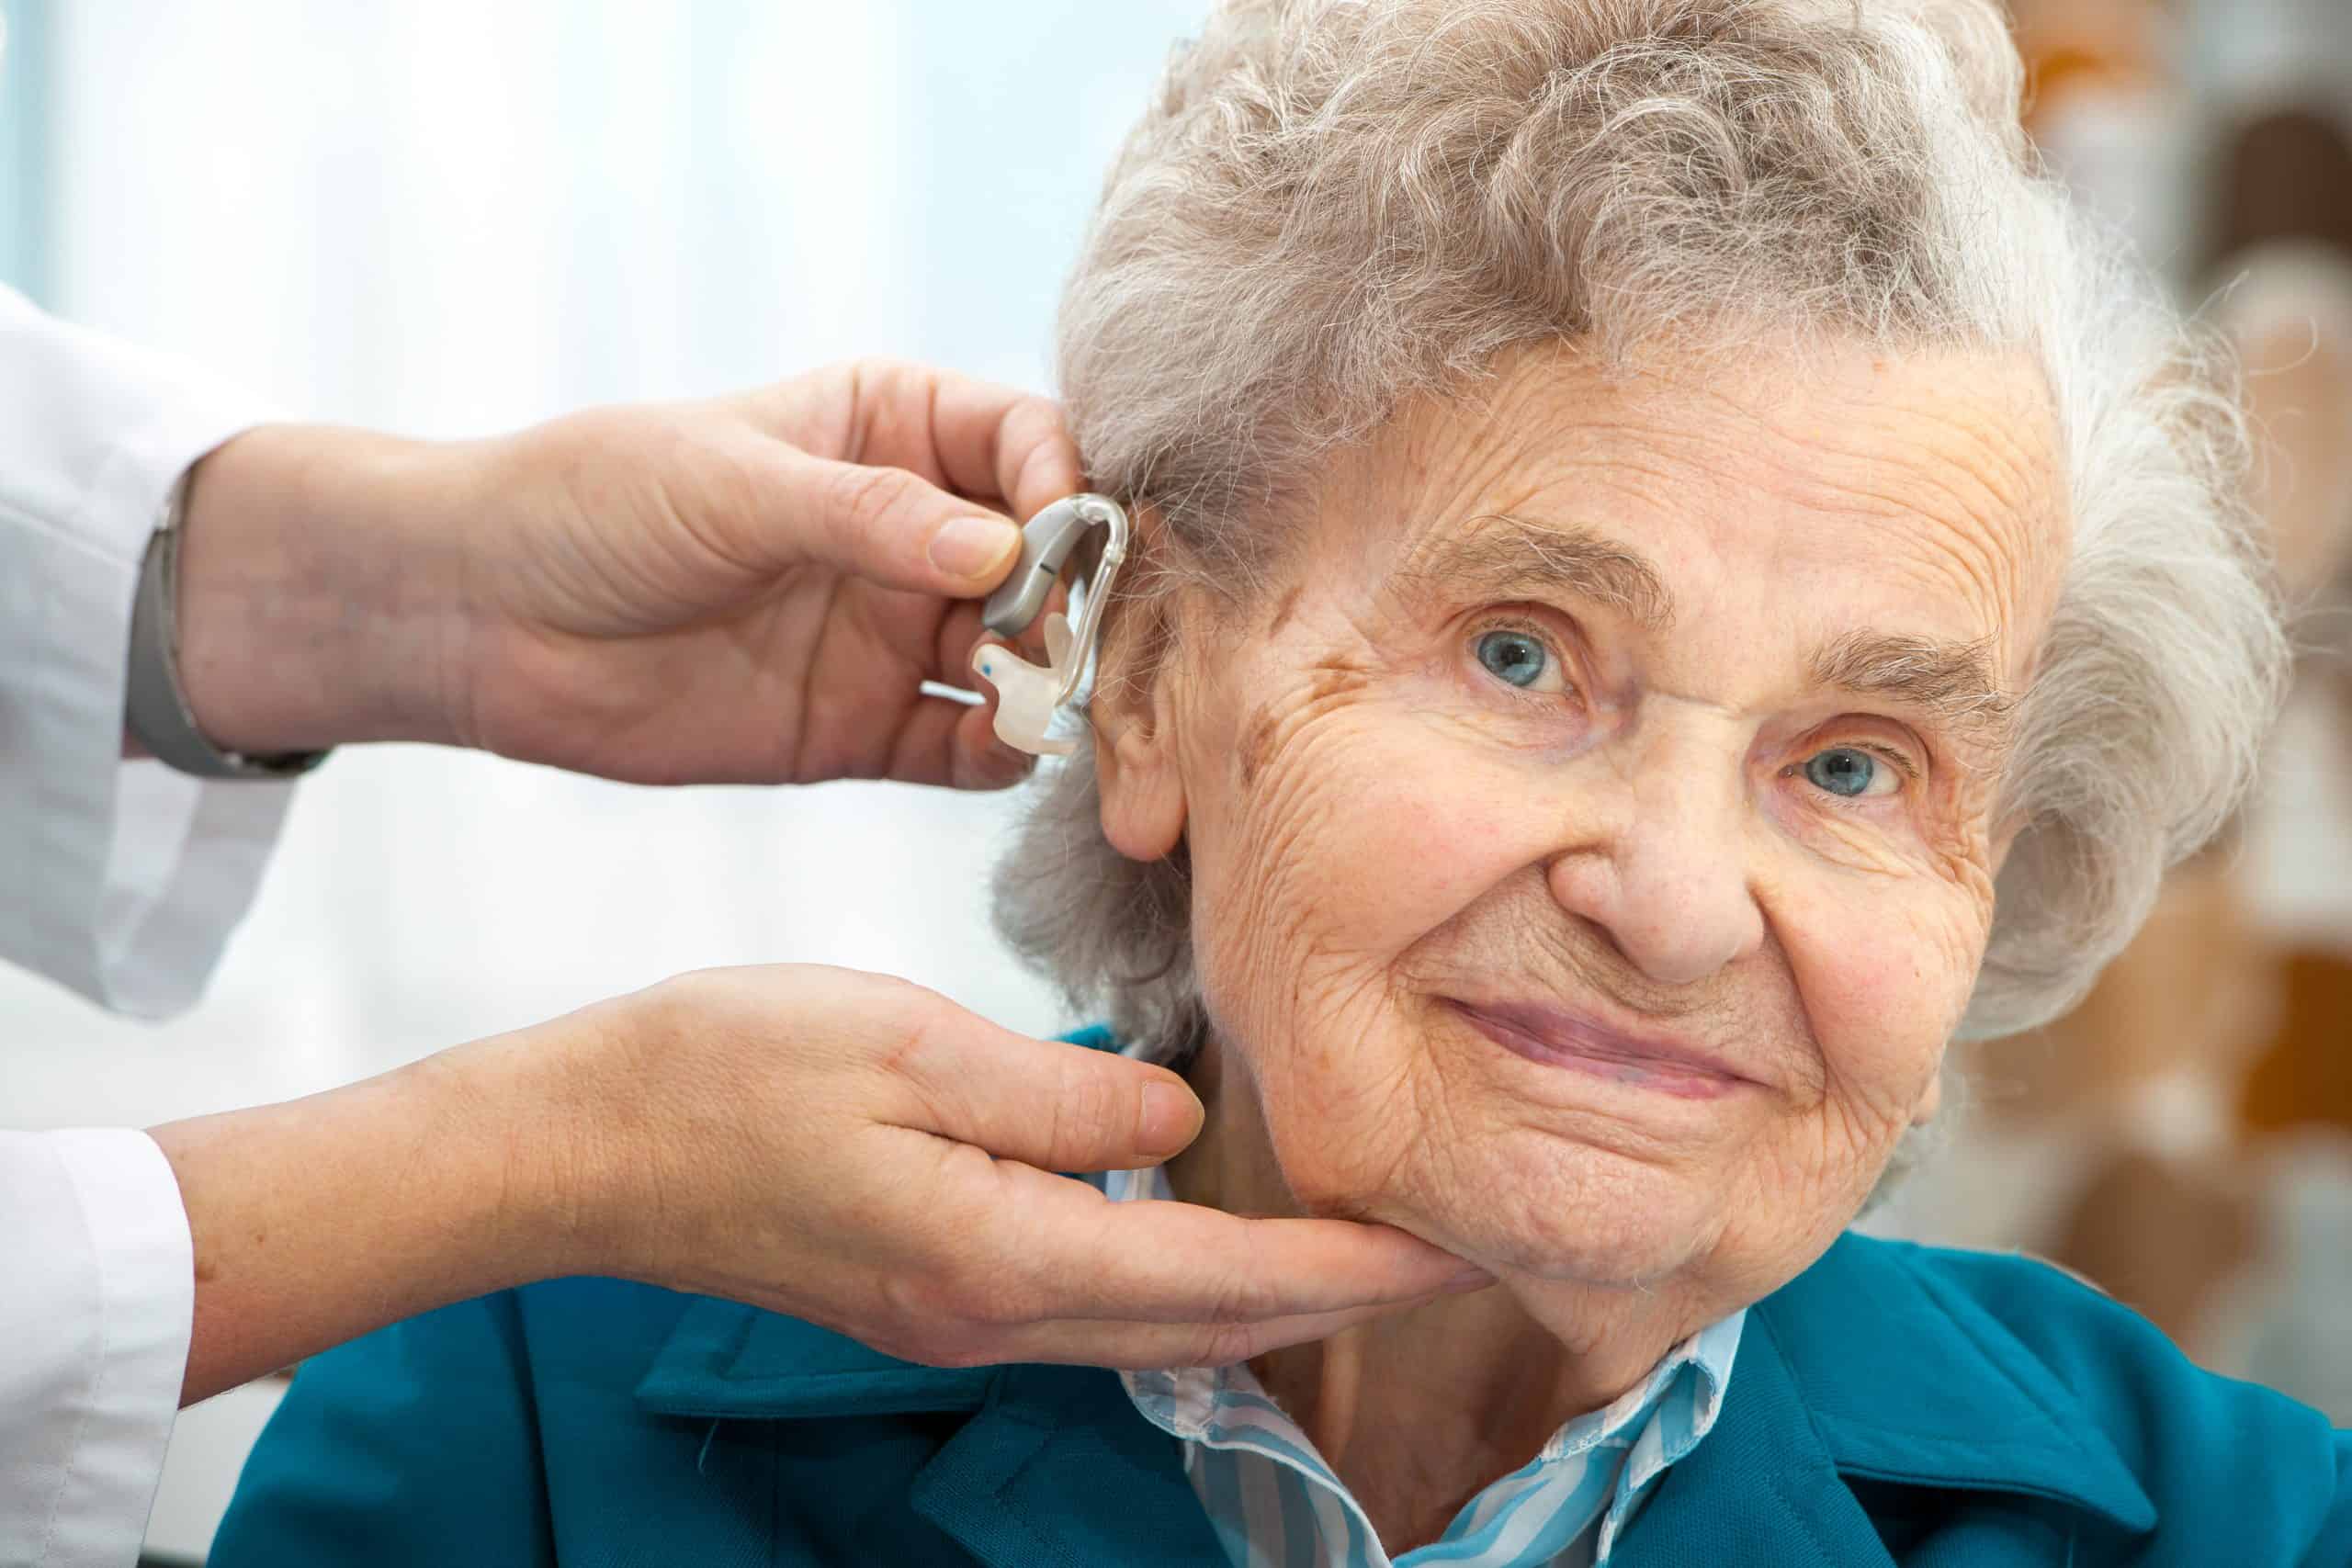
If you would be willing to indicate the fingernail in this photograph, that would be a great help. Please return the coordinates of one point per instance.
(970, 546)
(1471, 1279)
(1171, 1117)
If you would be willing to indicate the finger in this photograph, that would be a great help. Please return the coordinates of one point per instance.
(943, 741)
(1081, 1256)
(1037, 462)
(1052, 1248)
(885, 526)
(975, 758)
(992, 443)
(980, 760)
(956, 744)
(1098, 1342)
(1042, 1103)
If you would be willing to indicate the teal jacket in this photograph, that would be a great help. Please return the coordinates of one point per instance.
(1893, 1403)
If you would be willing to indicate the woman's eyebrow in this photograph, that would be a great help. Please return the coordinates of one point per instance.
(1951, 682)
(1500, 556)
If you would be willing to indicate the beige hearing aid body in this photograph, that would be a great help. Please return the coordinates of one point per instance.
(1027, 696)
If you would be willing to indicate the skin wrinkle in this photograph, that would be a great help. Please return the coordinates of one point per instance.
(1277, 819)
(1502, 554)
(1379, 828)
(1336, 678)
(1974, 564)
(2000, 469)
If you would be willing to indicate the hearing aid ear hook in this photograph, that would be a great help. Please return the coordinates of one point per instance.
(1027, 697)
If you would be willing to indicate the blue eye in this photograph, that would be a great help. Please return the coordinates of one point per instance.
(1515, 656)
(1844, 770)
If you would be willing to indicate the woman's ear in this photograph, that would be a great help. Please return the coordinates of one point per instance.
(1134, 714)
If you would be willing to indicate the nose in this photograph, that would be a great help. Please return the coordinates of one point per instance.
(1661, 869)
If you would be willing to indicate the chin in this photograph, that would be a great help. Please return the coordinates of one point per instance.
(1583, 1217)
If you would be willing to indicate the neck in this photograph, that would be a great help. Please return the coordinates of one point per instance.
(1419, 1410)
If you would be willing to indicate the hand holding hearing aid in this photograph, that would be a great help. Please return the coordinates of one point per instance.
(749, 589)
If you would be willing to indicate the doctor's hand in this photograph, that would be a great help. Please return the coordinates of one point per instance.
(749, 589)
(863, 1153)
(844, 1148)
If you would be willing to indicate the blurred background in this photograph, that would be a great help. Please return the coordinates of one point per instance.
(451, 219)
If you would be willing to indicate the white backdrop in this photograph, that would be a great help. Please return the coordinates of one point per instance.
(451, 219)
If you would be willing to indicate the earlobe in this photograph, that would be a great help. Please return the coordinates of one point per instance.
(1142, 791)
(1136, 771)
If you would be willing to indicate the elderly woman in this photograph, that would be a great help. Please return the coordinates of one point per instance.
(1676, 582)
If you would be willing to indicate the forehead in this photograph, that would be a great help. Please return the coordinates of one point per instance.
(1916, 493)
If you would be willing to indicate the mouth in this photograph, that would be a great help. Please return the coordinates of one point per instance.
(1556, 1039)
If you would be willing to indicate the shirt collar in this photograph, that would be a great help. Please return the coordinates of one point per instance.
(1652, 1425)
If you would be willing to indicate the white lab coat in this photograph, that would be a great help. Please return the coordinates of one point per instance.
(121, 880)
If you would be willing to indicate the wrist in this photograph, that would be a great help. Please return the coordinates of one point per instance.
(536, 1128)
(318, 1220)
(318, 591)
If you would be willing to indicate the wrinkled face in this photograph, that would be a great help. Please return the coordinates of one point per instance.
(1591, 832)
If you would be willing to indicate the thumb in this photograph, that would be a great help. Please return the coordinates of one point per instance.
(890, 527)
(1045, 1103)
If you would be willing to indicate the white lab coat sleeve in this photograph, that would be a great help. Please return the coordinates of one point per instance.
(121, 880)
(94, 1332)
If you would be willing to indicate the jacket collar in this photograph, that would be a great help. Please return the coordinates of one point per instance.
(1826, 1388)
(1054, 1465)
(725, 1359)
(1853, 1335)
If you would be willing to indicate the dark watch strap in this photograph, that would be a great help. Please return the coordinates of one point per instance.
(155, 707)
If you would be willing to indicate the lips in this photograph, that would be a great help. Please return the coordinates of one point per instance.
(1560, 1039)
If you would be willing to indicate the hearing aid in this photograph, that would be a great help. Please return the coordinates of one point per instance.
(1027, 697)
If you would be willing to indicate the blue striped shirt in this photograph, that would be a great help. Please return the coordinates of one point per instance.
(1275, 1503)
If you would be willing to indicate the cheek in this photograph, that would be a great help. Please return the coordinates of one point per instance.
(1883, 921)
(1883, 967)
(1358, 834)
(1338, 839)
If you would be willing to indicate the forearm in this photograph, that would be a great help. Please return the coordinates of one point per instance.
(320, 590)
(320, 1219)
